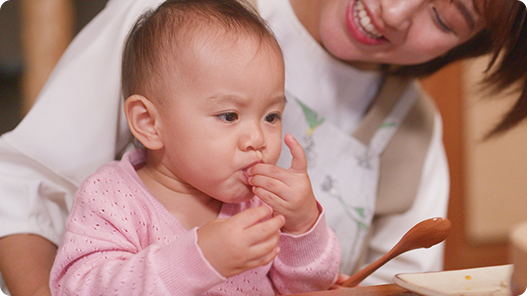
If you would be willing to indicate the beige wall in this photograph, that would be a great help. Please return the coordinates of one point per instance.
(449, 88)
(495, 170)
(44, 28)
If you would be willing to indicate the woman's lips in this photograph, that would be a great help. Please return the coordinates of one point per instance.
(361, 26)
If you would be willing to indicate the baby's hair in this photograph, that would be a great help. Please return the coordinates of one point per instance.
(163, 34)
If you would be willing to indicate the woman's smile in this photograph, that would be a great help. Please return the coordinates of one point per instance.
(364, 21)
(361, 25)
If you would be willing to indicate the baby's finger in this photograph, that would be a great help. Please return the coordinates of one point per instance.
(340, 280)
(268, 170)
(251, 216)
(264, 257)
(267, 247)
(271, 184)
(299, 161)
(271, 199)
(265, 230)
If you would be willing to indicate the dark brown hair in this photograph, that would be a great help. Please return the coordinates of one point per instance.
(163, 34)
(505, 39)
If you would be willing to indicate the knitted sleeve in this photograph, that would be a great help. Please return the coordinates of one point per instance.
(307, 262)
(109, 248)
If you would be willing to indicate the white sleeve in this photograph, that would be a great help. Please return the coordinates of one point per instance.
(75, 126)
(431, 201)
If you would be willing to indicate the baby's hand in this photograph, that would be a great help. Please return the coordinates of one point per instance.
(288, 192)
(241, 242)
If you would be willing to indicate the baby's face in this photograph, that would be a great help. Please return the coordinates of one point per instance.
(224, 115)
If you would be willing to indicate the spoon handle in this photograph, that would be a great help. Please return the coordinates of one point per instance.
(358, 277)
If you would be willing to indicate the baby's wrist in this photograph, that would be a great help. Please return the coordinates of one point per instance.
(304, 225)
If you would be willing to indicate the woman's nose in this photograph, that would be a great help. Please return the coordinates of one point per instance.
(398, 14)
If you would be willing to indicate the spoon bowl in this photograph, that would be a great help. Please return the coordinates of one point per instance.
(423, 235)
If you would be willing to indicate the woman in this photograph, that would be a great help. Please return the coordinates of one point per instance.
(347, 61)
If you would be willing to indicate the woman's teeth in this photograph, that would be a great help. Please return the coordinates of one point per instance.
(364, 22)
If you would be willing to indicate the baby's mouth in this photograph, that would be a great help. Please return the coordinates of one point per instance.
(244, 170)
(364, 22)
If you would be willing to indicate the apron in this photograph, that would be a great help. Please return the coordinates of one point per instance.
(344, 169)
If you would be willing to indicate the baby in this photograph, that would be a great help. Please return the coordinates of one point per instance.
(201, 208)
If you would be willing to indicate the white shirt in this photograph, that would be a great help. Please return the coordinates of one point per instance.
(78, 124)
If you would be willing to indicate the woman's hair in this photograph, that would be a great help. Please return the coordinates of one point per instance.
(164, 35)
(505, 39)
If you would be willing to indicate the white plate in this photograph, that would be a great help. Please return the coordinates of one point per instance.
(492, 280)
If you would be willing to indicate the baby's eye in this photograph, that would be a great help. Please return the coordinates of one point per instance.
(273, 117)
(229, 117)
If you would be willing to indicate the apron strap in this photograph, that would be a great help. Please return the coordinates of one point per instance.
(403, 159)
(402, 164)
(390, 92)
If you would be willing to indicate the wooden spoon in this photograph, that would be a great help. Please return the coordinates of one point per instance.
(423, 235)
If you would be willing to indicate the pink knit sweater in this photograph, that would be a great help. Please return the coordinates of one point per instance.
(120, 240)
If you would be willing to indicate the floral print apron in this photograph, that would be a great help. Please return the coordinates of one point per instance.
(344, 171)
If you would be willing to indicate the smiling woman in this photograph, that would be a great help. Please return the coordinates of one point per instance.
(403, 32)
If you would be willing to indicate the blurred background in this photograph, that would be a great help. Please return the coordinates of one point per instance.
(33, 35)
(488, 178)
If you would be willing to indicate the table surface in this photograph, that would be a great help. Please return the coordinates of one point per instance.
(381, 290)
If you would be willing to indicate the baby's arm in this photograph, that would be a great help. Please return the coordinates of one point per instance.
(308, 262)
(111, 244)
(288, 192)
(94, 266)
(116, 241)
(310, 253)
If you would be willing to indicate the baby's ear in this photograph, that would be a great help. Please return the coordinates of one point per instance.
(143, 119)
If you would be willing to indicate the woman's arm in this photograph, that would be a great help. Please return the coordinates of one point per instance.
(74, 127)
(28, 257)
(32, 215)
